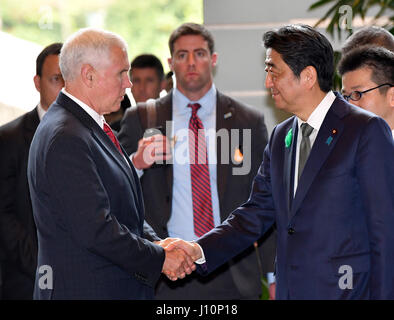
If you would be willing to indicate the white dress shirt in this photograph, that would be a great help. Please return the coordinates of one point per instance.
(96, 117)
(315, 120)
(40, 110)
(180, 224)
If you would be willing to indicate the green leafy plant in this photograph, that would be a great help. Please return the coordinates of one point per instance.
(264, 289)
(359, 8)
(145, 25)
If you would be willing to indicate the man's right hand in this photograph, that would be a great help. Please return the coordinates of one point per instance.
(177, 264)
(191, 248)
(150, 150)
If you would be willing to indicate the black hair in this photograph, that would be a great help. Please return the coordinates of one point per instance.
(190, 28)
(301, 46)
(148, 61)
(53, 48)
(373, 35)
(380, 60)
(169, 74)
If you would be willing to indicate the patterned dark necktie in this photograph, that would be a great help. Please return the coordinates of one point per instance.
(305, 147)
(201, 184)
(108, 131)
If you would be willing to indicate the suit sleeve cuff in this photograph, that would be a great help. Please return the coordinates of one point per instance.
(202, 259)
(140, 172)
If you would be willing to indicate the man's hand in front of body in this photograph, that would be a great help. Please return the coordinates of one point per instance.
(177, 261)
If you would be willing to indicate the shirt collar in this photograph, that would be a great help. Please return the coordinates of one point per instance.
(96, 117)
(40, 110)
(180, 102)
(316, 118)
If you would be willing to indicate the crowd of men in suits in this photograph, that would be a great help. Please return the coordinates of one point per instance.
(99, 214)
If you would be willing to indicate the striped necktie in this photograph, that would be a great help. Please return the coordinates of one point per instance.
(201, 185)
(108, 131)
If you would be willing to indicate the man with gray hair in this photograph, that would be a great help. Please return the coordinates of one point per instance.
(369, 36)
(86, 197)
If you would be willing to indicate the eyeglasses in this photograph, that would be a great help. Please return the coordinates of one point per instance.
(356, 95)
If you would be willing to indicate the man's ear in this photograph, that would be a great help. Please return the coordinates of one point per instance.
(88, 75)
(390, 97)
(37, 84)
(169, 60)
(214, 58)
(309, 76)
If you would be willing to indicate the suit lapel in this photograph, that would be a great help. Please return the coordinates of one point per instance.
(290, 151)
(101, 137)
(31, 124)
(329, 133)
(123, 162)
(225, 117)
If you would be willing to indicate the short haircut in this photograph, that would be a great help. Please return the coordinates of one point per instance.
(125, 104)
(301, 46)
(148, 61)
(88, 45)
(376, 36)
(378, 59)
(190, 28)
(52, 49)
(169, 75)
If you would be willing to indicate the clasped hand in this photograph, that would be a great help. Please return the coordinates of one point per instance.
(179, 257)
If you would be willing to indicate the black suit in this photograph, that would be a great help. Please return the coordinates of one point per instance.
(342, 214)
(241, 277)
(89, 212)
(17, 228)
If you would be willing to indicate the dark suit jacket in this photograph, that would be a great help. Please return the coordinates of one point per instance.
(233, 190)
(88, 208)
(342, 213)
(17, 229)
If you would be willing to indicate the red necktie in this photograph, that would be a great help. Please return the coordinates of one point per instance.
(201, 184)
(111, 135)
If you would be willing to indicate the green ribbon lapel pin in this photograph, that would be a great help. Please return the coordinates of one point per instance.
(289, 138)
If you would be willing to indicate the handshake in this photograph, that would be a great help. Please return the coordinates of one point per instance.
(180, 256)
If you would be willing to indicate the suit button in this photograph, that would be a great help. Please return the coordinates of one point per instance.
(168, 198)
(290, 231)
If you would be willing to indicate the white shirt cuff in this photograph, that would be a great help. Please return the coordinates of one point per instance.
(202, 259)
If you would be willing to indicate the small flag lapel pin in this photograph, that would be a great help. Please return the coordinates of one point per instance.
(227, 115)
(330, 138)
